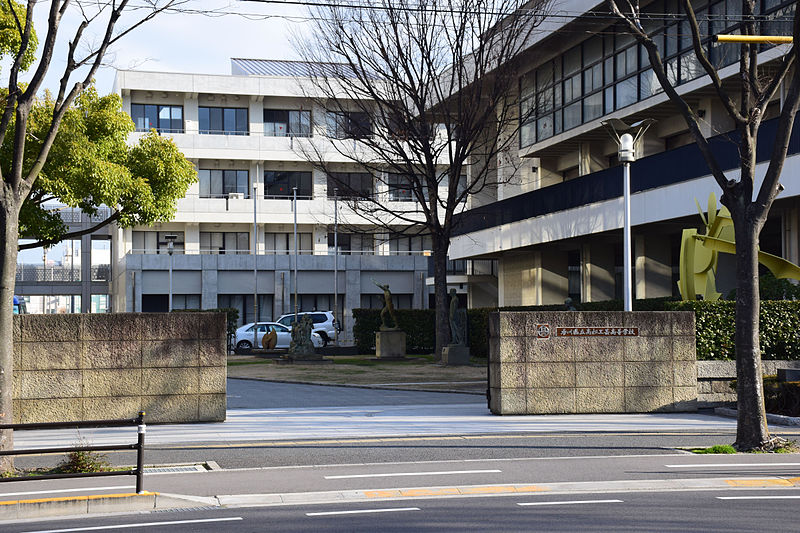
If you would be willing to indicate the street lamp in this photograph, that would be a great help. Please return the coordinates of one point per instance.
(255, 262)
(627, 154)
(170, 249)
(294, 208)
(336, 265)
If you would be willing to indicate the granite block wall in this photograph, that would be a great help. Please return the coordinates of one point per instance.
(103, 366)
(592, 362)
(714, 378)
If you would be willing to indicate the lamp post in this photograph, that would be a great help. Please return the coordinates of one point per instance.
(294, 208)
(336, 265)
(170, 250)
(255, 263)
(627, 154)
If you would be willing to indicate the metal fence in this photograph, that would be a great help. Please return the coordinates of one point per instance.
(138, 446)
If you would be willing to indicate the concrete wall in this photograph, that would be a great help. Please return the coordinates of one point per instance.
(654, 371)
(102, 366)
(714, 377)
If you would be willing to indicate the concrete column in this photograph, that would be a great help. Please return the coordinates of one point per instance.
(282, 299)
(653, 267)
(598, 268)
(520, 278)
(209, 285)
(320, 237)
(352, 297)
(791, 234)
(554, 277)
(639, 268)
(191, 235)
(86, 273)
(584, 159)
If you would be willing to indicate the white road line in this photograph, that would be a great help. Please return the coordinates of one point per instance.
(575, 502)
(730, 465)
(403, 474)
(363, 511)
(55, 491)
(758, 497)
(144, 524)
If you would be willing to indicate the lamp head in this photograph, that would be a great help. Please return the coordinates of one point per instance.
(627, 153)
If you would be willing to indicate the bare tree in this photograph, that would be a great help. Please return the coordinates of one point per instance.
(422, 96)
(18, 101)
(744, 97)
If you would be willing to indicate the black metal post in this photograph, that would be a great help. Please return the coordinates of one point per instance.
(140, 454)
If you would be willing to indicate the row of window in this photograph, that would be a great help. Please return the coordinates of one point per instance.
(235, 121)
(281, 184)
(238, 243)
(612, 71)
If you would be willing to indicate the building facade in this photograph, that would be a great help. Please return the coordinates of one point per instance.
(556, 229)
(250, 134)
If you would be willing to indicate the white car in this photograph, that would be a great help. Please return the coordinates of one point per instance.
(324, 323)
(244, 336)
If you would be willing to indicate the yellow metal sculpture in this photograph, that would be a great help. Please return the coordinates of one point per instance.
(699, 254)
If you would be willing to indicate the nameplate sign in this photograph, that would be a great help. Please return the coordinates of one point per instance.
(597, 332)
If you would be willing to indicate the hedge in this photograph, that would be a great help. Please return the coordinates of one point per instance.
(779, 322)
(779, 325)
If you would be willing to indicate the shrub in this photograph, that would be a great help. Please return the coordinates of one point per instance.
(715, 325)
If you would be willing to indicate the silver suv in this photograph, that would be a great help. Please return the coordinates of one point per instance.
(324, 323)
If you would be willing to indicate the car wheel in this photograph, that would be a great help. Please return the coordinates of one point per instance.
(244, 346)
(324, 337)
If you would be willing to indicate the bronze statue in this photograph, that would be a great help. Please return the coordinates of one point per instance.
(301, 337)
(457, 321)
(388, 309)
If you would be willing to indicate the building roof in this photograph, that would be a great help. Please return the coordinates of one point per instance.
(276, 67)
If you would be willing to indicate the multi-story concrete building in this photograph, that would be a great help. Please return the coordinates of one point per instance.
(556, 229)
(233, 235)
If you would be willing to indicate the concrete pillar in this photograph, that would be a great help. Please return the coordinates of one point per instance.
(209, 285)
(598, 272)
(521, 278)
(86, 273)
(191, 236)
(791, 234)
(352, 297)
(653, 260)
(282, 300)
(554, 277)
(320, 240)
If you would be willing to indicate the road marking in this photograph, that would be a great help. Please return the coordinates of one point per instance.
(145, 524)
(731, 465)
(400, 474)
(759, 482)
(575, 502)
(363, 511)
(64, 490)
(452, 491)
(758, 497)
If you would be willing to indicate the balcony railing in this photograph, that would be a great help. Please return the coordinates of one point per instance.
(42, 273)
(666, 168)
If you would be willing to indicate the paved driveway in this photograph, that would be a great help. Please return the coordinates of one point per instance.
(251, 394)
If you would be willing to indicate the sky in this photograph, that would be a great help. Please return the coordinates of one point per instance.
(203, 38)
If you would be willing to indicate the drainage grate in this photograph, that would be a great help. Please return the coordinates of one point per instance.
(174, 469)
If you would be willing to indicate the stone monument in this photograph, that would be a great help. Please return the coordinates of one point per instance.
(301, 348)
(457, 352)
(390, 341)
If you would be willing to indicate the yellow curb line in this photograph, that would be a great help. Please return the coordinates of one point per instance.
(80, 498)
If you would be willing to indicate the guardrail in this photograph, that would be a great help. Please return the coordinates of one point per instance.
(138, 446)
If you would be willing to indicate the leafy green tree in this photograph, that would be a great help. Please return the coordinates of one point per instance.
(29, 130)
(91, 165)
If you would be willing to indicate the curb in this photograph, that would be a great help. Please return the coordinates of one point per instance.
(778, 420)
(95, 504)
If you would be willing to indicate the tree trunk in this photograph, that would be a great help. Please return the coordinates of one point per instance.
(440, 247)
(751, 429)
(9, 222)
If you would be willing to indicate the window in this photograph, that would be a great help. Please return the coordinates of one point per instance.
(279, 184)
(155, 242)
(223, 121)
(225, 243)
(283, 243)
(350, 184)
(220, 183)
(400, 188)
(403, 245)
(351, 243)
(162, 118)
(186, 302)
(376, 301)
(284, 123)
(244, 303)
(349, 125)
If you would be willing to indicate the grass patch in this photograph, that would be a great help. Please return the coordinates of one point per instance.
(719, 448)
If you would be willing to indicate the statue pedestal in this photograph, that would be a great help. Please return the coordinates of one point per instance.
(390, 344)
(455, 354)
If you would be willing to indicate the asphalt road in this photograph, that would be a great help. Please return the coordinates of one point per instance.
(650, 511)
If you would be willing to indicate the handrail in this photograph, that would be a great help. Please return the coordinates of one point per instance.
(138, 446)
